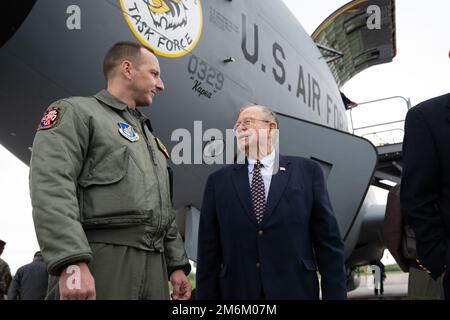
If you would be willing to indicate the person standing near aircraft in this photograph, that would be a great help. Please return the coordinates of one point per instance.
(5, 273)
(264, 229)
(30, 281)
(100, 190)
(425, 191)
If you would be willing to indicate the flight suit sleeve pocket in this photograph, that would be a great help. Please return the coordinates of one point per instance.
(109, 170)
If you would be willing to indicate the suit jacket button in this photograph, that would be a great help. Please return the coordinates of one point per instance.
(260, 232)
(258, 265)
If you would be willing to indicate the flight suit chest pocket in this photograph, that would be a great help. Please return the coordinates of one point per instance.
(114, 187)
(110, 170)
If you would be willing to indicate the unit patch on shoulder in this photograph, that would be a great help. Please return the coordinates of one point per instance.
(49, 118)
(162, 147)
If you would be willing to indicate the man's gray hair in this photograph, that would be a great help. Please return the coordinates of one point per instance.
(268, 113)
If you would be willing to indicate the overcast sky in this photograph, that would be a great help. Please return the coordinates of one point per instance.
(420, 71)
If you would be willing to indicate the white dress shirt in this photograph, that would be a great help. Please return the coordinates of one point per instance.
(266, 171)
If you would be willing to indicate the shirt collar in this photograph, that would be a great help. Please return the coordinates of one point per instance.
(267, 161)
(108, 99)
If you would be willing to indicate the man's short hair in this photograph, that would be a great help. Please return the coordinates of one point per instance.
(2, 243)
(37, 254)
(121, 51)
(268, 113)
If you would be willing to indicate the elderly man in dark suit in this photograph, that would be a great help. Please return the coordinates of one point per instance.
(425, 191)
(267, 225)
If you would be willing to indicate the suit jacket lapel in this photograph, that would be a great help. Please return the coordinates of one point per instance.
(242, 186)
(447, 103)
(277, 186)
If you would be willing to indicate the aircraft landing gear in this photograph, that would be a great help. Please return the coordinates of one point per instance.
(379, 275)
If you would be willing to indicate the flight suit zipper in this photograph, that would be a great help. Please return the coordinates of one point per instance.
(153, 155)
(138, 123)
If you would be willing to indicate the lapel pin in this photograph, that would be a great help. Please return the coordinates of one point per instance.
(282, 168)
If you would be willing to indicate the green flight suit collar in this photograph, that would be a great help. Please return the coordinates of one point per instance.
(111, 101)
(107, 98)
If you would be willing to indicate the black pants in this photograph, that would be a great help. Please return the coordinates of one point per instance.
(262, 295)
(446, 284)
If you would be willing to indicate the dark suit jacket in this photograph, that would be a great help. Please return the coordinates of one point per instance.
(425, 191)
(30, 282)
(239, 258)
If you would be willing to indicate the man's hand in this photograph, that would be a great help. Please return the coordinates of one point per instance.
(76, 283)
(182, 288)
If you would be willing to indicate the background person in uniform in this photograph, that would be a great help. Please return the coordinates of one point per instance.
(30, 281)
(425, 191)
(100, 190)
(261, 234)
(5, 273)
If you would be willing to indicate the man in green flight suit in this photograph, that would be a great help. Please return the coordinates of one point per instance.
(100, 190)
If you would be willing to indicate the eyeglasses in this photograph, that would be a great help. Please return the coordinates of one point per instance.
(247, 121)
